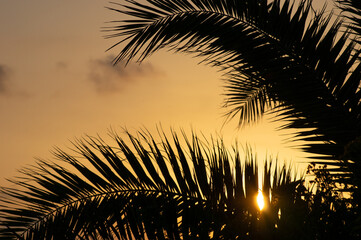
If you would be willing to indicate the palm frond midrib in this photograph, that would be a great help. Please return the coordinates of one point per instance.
(289, 50)
(139, 191)
(248, 21)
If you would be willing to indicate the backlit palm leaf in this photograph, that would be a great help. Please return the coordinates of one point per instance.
(352, 11)
(278, 55)
(149, 189)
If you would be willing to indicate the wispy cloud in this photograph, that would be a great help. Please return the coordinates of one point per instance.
(4, 78)
(108, 78)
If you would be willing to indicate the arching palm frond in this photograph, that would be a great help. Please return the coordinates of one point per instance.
(352, 11)
(281, 55)
(155, 190)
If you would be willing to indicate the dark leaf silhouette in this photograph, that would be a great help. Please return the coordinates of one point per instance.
(278, 56)
(175, 188)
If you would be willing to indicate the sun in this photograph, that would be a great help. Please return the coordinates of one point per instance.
(260, 200)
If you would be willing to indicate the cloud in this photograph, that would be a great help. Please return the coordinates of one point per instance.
(108, 78)
(61, 65)
(4, 78)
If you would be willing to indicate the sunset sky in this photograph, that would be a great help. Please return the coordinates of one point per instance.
(57, 83)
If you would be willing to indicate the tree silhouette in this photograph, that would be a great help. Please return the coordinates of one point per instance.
(278, 56)
(172, 189)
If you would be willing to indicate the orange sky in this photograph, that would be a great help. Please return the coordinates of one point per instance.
(57, 83)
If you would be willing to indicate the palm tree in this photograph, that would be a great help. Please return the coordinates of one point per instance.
(278, 56)
(160, 190)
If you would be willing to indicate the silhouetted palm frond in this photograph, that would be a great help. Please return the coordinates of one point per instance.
(352, 11)
(172, 189)
(277, 55)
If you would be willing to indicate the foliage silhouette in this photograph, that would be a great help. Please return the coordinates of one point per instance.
(277, 56)
(177, 188)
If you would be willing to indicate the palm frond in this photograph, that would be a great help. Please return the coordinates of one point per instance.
(281, 56)
(352, 11)
(175, 188)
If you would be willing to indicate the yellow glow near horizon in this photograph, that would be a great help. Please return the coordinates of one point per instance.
(260, 200)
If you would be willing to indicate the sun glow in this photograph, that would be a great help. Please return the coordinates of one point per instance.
(260, 200)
